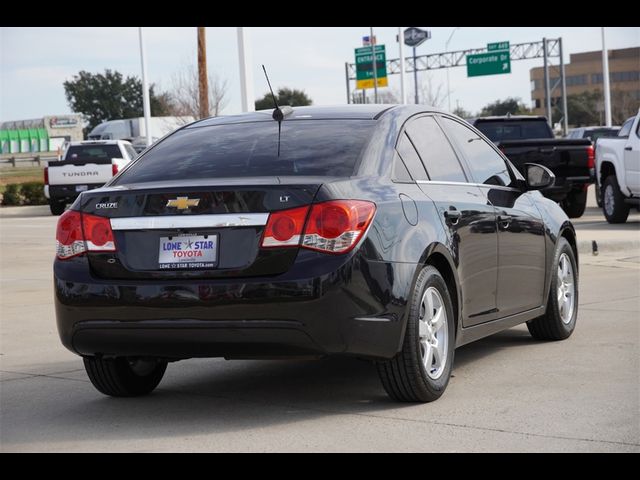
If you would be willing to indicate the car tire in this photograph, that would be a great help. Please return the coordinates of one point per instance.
(613, 206)
(124, 377)
(57, 208)
(559, 320)
(574, 204)
(598, 195)
(405, 377)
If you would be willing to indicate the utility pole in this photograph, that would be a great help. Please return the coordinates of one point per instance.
(605, 79)
(145, 90)
(246, 73)
(375, 67)
(203, 86)
(403, 85)
(565, 124)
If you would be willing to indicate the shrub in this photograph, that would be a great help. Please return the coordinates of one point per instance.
(33, 193)
(29, 193)
(12, 195)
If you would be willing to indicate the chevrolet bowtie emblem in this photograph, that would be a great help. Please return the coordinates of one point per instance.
(182, 203)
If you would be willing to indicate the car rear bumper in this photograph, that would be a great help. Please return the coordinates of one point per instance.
(354, 309)
(67, 193)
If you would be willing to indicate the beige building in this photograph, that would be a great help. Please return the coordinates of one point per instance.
(584, 74)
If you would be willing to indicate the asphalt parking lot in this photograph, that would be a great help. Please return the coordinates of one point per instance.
(508, 393)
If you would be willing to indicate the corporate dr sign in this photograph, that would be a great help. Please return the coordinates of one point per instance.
(490, 63)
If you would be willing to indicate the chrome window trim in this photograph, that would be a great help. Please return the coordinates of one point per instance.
(485, 185)
(190, 221)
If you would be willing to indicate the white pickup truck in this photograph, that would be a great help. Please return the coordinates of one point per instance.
(85, 166)
(618, 171)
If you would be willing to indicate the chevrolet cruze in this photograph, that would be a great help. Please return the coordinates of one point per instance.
(391, 233)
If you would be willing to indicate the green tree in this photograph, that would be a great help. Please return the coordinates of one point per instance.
(514, 106)
(583, 108)
(101, 97)
(461, 112)
(285, 96)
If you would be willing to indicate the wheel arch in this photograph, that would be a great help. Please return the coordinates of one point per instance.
(438, 256)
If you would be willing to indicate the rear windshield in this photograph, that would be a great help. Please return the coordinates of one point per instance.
(93, 151)
(514, 130)
(307, 147)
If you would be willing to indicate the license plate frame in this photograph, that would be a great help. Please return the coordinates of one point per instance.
(173, 251)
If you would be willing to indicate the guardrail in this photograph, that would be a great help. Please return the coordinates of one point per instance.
(13, 160)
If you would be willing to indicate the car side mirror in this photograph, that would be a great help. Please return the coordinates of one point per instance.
(538, 176)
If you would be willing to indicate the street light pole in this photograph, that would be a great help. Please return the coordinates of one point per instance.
(605, 79)
(375, 66)
(446, 48)
(246, 72)
(145, 90)
(403, 85)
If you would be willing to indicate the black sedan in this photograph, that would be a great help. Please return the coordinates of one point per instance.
(392, 233)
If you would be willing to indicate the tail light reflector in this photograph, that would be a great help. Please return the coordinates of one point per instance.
(78, 233)
(46, 175)
(591, 158)
(114, 169)
(334, 227)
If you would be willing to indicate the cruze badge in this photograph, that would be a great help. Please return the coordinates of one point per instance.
(182, 203)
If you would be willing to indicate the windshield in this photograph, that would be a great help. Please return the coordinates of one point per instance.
(308, 147)
(514, 129)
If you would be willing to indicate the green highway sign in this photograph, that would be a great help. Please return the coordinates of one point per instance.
(497, 46)
(491, 63)
(364, 67)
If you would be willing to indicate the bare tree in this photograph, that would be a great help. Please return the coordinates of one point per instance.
(185, 94)
(431, 94)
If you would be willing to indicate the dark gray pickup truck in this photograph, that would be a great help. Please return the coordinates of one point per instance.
(529, 139)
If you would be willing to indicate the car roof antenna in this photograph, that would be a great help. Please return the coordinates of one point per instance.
(279, 113)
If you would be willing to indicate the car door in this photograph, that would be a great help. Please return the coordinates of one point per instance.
(631, 154)
(467, 217)
(521, 241)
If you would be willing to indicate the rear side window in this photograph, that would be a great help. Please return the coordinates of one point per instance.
(307, 147)
(410, 158)
(435, 150)
(78, 152)
(487, 166)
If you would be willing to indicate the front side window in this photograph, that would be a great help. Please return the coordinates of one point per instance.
(487, 166)
(435, 150)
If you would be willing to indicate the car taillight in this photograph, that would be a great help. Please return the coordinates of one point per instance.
(46, 175)
(591, 157)
(284, 228)
(78, 233)
(114, 169)
(69, 238)
(98, 234)
(337, 226)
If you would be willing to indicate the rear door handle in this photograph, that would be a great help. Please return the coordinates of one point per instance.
(452, 216)
(504, 221)
(628, 148)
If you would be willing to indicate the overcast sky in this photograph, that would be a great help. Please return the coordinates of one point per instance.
(35, 61)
